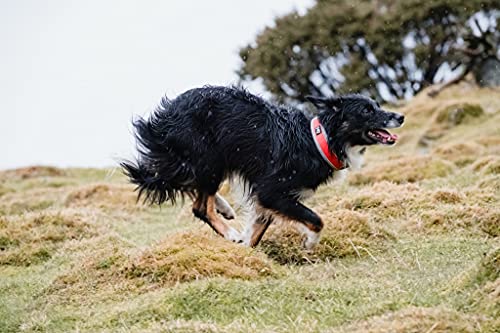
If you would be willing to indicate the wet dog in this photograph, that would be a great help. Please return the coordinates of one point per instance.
(189, 145)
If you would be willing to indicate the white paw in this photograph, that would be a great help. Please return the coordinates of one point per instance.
(311, 238)
(233, 235)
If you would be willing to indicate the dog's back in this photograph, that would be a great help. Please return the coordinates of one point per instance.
(195, 141)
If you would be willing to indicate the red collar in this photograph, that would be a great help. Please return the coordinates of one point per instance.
(320, 139)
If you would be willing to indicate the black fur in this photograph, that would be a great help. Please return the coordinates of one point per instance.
(190, 144)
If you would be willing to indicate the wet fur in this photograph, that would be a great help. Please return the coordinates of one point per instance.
(191, 144)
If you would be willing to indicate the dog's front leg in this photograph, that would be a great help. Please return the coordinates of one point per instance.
(294, 210)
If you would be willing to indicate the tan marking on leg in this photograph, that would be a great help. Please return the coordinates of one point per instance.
(218, 224)
(201, 208)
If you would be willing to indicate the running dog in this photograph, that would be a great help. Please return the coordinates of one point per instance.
(189, 145)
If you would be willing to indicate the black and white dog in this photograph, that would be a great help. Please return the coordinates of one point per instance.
(192, 143)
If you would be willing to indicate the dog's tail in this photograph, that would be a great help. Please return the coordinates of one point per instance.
(159, 173)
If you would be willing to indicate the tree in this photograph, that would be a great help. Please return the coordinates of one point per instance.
(387, 48)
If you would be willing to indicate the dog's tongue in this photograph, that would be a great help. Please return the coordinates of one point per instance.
(386, 135)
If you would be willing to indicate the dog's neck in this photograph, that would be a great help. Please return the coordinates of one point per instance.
(348, 157)
(355, 156)
(320, 138)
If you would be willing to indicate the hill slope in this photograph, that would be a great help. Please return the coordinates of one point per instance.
(411, 244)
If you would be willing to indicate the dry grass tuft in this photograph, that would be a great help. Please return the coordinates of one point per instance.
(461, 153)
(192, 256)
(487, 165)
(104, 196)
(490, 182)
(346, 233)
(96, 269)
(418, 319)
(448, 196)
(404, 169)
(471, 218)
(32, 172)
(33, 238)
(409, 208)
(489, 141)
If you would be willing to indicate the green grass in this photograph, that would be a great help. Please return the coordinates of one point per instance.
(411, 244)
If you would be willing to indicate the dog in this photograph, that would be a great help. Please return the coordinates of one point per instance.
(189, 145)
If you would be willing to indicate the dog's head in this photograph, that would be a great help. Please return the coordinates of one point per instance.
(357, 120)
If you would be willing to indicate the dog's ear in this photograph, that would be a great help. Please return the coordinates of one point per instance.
(319, 102)
(322, 102)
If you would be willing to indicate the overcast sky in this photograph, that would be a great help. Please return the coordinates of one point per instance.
(73, 73)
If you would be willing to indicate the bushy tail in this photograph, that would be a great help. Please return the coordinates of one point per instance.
(148, 184)
(159, 173)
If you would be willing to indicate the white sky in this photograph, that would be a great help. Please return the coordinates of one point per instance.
(73, 73)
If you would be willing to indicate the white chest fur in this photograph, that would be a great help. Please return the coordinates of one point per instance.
(355, 156)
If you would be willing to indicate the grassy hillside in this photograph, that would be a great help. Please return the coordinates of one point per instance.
(411, 244)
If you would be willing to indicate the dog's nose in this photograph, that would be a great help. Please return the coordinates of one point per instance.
(400, 118)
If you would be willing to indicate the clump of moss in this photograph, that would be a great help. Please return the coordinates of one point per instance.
(404, 169)
(33, 238)
(448, 117)
(346, 233)
(104, 196)
(459, 114)
(192, 256)
(418, 319)
(461, 153)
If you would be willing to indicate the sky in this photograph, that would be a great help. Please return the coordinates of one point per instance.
(74, 73)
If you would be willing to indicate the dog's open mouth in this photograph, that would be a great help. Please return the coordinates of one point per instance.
(382, 136)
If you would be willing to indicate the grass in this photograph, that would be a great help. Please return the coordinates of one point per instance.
(410, 245)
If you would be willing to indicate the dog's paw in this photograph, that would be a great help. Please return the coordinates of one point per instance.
(311, 239)
(234, 236)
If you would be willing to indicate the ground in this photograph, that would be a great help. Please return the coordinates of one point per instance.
(411, 244)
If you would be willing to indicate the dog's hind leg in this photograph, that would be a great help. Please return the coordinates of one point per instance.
(204, 209)
(256, 226)
(223, 207)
